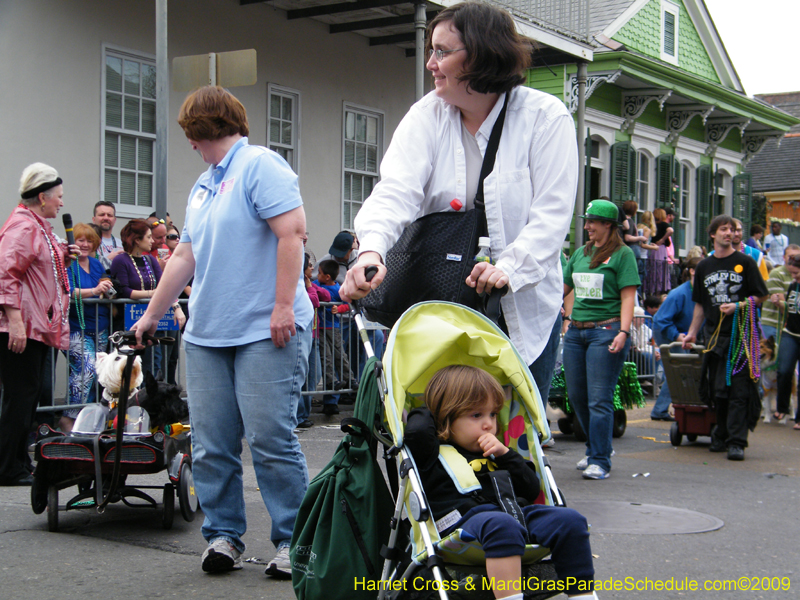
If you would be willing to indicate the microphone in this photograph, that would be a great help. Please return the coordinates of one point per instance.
(67, 219)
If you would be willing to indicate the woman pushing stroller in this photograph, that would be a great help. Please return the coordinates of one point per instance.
(461, 406)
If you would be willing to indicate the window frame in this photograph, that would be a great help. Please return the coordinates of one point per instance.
(686, 221)
(644, 203)
(381, 117)
(125, 210)
(675, 11)
(284, 91)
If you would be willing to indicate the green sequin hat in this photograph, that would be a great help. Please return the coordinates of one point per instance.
(602, 210)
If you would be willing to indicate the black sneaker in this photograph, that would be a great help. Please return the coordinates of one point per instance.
(330, 409)
(735, 453)
(717, 447)
(305, 424)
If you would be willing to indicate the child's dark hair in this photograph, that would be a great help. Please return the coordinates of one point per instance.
(653, 301)
(330, 267)
(455, 390)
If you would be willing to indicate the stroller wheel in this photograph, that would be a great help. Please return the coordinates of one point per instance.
(52, 508)
(186, 494)
(565, 425)
(620, 423)
(169, 506)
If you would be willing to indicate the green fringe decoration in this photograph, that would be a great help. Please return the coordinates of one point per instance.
(628, 393)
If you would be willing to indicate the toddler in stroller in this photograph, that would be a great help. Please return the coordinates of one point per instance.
(462, 403)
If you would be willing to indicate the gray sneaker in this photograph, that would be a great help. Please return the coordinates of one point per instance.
(595, 472)
(280, 567)
(584, 462)
(221, 556)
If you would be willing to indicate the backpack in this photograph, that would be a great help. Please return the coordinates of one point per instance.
(345, 515)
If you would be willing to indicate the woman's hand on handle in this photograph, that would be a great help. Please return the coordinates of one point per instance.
(146, 324)
(356, 285)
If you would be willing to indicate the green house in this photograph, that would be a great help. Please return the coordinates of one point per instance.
(663, 115)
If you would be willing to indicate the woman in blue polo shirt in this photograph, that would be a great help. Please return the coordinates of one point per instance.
(604, 277)
(249, 332)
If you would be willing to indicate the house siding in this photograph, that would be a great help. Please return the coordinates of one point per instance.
(548, 80)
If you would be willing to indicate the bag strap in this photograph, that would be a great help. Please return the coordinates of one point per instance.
(488, 166)
(507, 499)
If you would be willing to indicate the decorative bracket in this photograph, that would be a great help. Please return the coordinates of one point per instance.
(718, 129)
(753, 142)
(634, 104)
(678, 118)
(593, 81)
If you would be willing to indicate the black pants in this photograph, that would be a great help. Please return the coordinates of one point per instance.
(731, 402)
(23, 376)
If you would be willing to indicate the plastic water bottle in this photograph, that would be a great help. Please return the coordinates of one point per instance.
(484, 251)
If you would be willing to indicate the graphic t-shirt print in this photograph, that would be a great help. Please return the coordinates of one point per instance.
(723, 286)
(588, 285)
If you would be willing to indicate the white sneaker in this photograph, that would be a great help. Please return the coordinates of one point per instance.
(549, 443)
(595, 472)
(584, 462)
(280, 567)
(221, 556)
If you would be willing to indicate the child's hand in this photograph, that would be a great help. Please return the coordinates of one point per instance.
(491, 445)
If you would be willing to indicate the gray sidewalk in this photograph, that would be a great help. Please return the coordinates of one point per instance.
(125, 553)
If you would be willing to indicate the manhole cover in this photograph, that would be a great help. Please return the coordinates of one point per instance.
(644, 519)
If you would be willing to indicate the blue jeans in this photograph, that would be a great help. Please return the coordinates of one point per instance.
(252, 391)
(591, 372)
(788, 355)
(543, 367)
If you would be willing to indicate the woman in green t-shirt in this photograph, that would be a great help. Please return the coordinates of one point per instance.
(604, 277)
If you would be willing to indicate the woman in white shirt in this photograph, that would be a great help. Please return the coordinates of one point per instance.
(477, 58)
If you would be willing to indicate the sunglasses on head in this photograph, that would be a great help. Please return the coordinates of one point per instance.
(155, 224)
(173, 236)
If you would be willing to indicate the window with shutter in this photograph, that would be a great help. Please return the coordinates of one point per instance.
(362, 140)
(703, 204)
(623, 172)
(670, 25)
(129, 131)
(743, 201)
(665, 173)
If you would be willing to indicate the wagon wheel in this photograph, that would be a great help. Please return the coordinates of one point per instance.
(675, 435)
(692, 437)
(186, 493)
(577, 430)
(52, 508)
(39, 492)
(565, 425)
(169, 506)
(620, 423)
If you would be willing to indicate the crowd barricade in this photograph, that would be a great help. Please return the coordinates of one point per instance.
(353, 349)
(643, 354)
(55, 395)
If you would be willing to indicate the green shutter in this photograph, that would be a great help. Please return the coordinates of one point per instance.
(703, 204)
(743, 202)
(587, 177)
(665, 168)
(623, 172)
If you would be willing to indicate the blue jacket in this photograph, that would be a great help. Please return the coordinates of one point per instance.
(675, 314)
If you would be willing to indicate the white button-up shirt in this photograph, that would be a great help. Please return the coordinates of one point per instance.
(530, 197)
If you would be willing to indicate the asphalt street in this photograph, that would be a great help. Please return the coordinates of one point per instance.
(655, 491)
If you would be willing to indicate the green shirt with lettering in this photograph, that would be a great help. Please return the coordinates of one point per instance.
(597, 291)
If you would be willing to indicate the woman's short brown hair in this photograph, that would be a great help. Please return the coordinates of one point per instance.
(455, 390)
(133, 233)
(211, 113)
(82, 230)
(629, 207)
(660, 215)
(497, 56)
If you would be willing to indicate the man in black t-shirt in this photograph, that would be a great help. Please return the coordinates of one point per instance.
(721, 281)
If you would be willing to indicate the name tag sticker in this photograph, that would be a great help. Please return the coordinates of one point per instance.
(588, 285)
(199, 198)
(226, 186)
(455, 257)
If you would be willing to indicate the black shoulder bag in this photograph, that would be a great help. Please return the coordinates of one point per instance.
(435, 254)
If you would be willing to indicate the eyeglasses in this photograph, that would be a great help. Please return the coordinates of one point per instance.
(440, 54)
(173, 236)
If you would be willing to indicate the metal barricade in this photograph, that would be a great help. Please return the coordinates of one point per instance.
(643, 354)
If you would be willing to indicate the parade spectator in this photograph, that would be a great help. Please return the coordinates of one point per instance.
(478, 61)
(308, 250)
(632, 236)
(750, 251)
(335, 356)
(245, 365)
(34, 311)
(137, 272)
(648, 227)
(342, 251)
(604, 276)
(658, 267)
(105, 217)
(167, 219)
(670, 324)
(789, 351)
(316, 294)
(158, 248)
(756, 233)
(88, 324)
(724, 283)
(173, 351)
(777, 286)
(775, 244)
(696, 252)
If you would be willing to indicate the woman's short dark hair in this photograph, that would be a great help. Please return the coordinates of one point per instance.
(212, 113)
(497, 56)
(133, 233)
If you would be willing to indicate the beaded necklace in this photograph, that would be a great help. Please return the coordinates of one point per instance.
(150, 276)
(76, 285)
(57, 260)
(744, 348)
